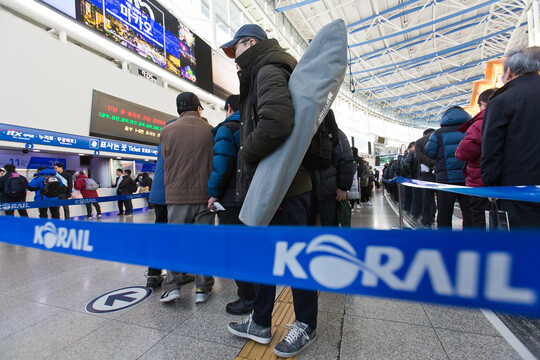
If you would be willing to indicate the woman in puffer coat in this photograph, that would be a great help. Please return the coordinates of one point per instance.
(80, 184)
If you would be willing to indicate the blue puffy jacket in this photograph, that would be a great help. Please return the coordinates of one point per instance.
(157, 193)
(222, 181)
(37, 184)
(443, 143)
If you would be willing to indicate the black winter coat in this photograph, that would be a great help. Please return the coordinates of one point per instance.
(265, 128)
(3, 197)
(420, 152)
(510, 146)
(339, 176)
(410, 167)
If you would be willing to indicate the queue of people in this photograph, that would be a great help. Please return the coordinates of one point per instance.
(496, 147)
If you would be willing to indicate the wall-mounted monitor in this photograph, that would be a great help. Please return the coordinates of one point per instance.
(118, 119)
(148, 29)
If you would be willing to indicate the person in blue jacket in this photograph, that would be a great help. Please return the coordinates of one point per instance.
(442, 146)
(37, 185)
(222, 188)
(157, 198)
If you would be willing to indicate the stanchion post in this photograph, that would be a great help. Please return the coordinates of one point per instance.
(400, 207)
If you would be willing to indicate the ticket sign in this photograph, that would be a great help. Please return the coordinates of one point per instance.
(118, 119)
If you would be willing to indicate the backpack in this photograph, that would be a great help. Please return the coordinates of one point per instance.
(15, 186)
(132, 186)
(90, 184)
(320, 154)
(321, 151)
(51, 186)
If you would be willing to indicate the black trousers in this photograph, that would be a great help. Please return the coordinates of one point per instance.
(406, 191)
(161, 218)
(66, 208)
(365, 193)
(326, 209)
(445, 207)
(522, 214)
(55, 212)
(292, 212)
(246, 290)
(479, 205)
(428, 200)
(22, 212)
(416, 202)
(89, 209)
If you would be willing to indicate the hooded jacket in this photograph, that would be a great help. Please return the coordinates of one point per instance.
(510, 146)
(37, 184)
(442, 146)
(80, 184)
(266, 112)
(469, 150)
(222, 182)
(3, 197)
(186, 147)
(157, 192)
(338, 176)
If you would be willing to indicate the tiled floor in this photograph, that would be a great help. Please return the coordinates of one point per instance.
(43, 297)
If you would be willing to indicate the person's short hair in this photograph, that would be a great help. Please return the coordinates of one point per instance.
(411, 145)
(119, 170)
(127, 171)
(234, 102)
(523, 60)
(60, 165)
(485, 95)
(9, 167)
(428, 131)
(41, 168)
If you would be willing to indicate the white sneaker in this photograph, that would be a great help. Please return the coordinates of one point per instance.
(170, 295)
(368, 203)
(202, 297)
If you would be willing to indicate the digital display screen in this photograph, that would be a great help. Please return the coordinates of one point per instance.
(146, 28)
(384, 159)
(118, 119)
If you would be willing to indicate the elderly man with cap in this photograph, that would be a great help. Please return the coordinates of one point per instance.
(267, 119)
(187, 150)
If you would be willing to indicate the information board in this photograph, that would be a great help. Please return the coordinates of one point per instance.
(118, 119)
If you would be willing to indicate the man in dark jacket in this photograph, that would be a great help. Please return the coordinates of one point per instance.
(222, 188)
(411, 168)
(426, 165)
(124, 189)
(331, 185)
(267, 119)
(510, 146)
(442, 147)
(13, 189)
(66, 192)
(469, 150)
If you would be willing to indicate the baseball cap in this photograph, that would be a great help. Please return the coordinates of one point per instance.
(187, 101)
(249, 30)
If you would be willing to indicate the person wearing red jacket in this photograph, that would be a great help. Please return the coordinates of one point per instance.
(80, 184)
(469, 150)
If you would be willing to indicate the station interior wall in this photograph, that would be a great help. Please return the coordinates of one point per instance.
(48, 84)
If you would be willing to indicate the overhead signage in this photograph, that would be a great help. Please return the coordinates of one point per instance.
(52, 138)
(118, 299)
(24, 161)
(137, 70)
(116, 118)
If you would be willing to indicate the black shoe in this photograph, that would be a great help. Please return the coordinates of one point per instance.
(120, 213)
(239, 307)
(187, 278)
(154, 281)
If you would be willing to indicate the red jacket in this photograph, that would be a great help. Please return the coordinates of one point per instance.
(469, 150)
(80, 185)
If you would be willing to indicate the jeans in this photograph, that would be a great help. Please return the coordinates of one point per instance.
(291, 212)
(66, 208)
(326, 209)
(246, 290)
(161, 218)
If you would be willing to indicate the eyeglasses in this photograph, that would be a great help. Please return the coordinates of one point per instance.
(236, 45)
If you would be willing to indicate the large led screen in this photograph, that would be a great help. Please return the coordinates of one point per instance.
(146, 28)
(118, 119)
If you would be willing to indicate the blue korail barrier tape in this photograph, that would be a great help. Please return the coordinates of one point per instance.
(53, 203)
(518, 193)
(496, 270)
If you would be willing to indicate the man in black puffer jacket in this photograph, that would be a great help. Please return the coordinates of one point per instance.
(331, 185)
(266, 120)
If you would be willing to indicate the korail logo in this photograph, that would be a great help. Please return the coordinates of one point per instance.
(334, 263)
(50, 237)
